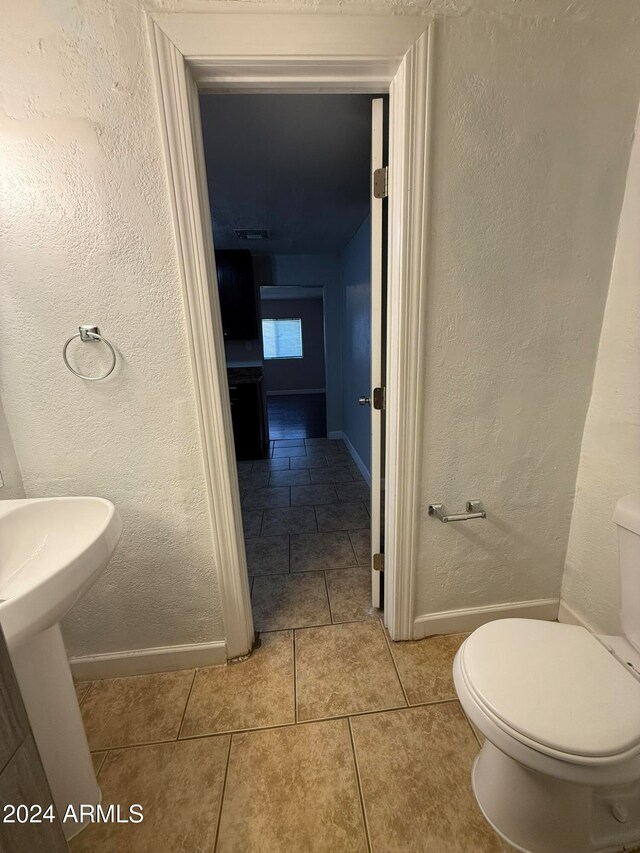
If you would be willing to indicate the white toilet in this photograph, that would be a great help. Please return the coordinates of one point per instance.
(559, 771)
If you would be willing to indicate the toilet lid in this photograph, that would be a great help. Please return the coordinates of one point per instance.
(554, 684)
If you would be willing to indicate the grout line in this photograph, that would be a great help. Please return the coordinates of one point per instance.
(326, 586)
(15, 751)
(101, 765)
(471, 726)
(295, 679)
(393, 661)
(224, 788)
(359, 784)
(393, 709)
(184, 712)
(88, 690)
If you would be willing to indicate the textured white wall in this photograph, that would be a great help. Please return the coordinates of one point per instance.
(533, 123)
(534, 113)
(88, 238)
(610, 456)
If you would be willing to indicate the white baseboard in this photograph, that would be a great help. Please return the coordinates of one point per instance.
(335, 435)
(355, 456)
(460, 621)
(296, 391)
(569, 616)
(141, 661)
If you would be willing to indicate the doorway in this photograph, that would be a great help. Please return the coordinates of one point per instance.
(292, 53)
(289, 181)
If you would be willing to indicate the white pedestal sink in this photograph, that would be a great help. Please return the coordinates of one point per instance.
(53, 549)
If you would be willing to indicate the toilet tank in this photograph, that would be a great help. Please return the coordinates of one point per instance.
(627, 516)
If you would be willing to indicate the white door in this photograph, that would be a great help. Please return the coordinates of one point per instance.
(378, 352)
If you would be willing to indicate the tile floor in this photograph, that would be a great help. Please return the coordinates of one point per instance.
(329, 737)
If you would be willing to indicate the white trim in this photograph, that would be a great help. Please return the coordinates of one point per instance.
(357, 458)
(337, 50)
(458, 621)
(411, 107)
(569, 616)
(335, 435)
(140, 661)
(280, 51)
(182, 137)
(297, 391)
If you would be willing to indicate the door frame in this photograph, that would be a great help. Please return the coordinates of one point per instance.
(250, 51)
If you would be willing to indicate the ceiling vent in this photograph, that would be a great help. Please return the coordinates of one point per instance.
(251, 233)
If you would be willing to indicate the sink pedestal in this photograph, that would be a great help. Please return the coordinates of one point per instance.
(43, 675)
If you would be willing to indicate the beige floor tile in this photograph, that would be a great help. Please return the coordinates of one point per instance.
(140, 709)
(289, 601)
(179, 786)
(97, 759)
(425, 667)
(248, 694)
(344, 669)
(292, 790)
(350, 595)
(415, 772)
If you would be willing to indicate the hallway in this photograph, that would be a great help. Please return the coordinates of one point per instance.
(307, 523)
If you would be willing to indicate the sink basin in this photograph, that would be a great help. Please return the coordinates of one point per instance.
(52, 550)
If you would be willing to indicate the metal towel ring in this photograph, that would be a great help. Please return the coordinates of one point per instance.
(89, 334)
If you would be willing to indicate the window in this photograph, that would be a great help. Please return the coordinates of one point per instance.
(282, 338)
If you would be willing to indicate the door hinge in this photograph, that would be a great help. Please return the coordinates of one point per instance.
(379, 398)
(381, 182)
(378, 562)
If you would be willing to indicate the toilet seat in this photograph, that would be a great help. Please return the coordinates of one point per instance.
(555, 689)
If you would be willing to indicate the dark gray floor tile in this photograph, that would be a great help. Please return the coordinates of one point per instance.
(279, 452)
(258, 480)
(361, 541)
(269, 465)
(353, 492)
(251, 522)
(290, 601)
(339, 457)
(290, 478)
(297, 519)
(312, 495)
(268, 555)
(332, 474)
(266, 498)
(289, 442)
(312, 551)
(347, 516)
(308, 462)
(317, 450)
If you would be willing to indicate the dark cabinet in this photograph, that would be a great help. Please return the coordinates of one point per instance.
(247, 415)
(238, 295)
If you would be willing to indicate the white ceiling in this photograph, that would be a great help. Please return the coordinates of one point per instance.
(297, 165)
